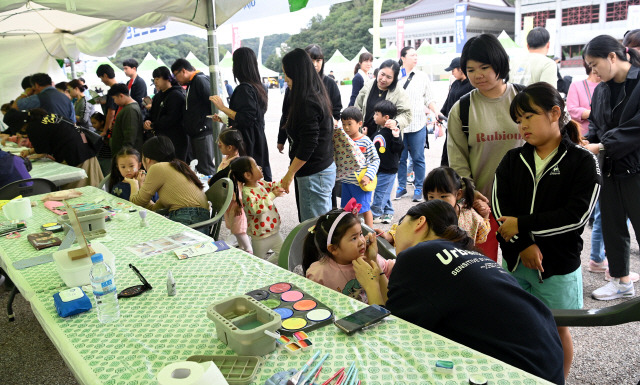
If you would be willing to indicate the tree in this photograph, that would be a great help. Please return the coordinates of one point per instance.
(345, 28)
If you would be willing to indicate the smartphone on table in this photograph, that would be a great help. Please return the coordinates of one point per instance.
(362, 318)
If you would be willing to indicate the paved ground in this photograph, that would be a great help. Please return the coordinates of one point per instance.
(602, 355)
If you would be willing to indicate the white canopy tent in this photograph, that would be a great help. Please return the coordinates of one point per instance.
(54, 29)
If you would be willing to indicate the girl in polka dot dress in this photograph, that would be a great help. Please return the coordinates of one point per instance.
(263, 220)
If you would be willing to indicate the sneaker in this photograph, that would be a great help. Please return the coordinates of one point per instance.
(400, 193)
(614, 290)
(387, 218)
(634, 277)
(417, 195)
(378, 219)
(598, 267)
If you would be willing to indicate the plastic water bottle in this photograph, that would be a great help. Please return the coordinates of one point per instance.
(104, 290)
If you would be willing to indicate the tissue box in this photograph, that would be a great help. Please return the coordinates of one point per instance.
(71, 301)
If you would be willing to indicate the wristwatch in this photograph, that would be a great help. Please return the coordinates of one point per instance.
(601, 147)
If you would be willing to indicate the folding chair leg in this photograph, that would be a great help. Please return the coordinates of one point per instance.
(12, 295)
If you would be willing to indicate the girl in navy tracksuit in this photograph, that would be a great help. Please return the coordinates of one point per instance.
(543, 195)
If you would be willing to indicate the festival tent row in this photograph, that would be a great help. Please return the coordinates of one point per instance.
(34, 34)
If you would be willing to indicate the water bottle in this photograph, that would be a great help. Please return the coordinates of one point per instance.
(104, 290)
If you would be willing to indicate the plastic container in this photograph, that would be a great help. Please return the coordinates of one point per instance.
(237, 370)
(90, 220)
(76, 273)
(240, 324)
(103, 282)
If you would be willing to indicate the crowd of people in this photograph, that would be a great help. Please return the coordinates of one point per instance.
(524, 171)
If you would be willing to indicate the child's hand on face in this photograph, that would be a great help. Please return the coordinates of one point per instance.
(365, 180)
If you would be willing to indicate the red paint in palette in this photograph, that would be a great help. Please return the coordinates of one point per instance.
(280, 287)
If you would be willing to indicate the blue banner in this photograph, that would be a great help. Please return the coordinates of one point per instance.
(461, 26)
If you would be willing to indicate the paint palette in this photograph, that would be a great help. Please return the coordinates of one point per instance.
(299, 311)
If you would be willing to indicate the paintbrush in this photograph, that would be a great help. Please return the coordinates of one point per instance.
(296, 377)
(313, 371)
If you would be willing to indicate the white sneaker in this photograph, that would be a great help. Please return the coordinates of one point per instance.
(377, 219)
(614, 290)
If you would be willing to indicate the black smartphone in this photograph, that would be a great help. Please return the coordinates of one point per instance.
(362, 318)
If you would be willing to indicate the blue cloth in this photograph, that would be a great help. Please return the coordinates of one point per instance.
(355, 191)
(52, 101)
(121, 190)
(597, 244)
(12, 169)
(382, 195)
(314, 193)
(229, 89)
(414, 144)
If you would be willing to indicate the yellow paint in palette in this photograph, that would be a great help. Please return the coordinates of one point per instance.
(294, 323)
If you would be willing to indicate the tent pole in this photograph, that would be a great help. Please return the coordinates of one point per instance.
(212, 45)
(73, 68)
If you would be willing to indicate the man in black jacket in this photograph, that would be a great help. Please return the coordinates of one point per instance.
(137, 86)
(197, 107)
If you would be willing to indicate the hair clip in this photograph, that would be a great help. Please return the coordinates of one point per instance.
(13, 235)
(312, 228)
(353, 207)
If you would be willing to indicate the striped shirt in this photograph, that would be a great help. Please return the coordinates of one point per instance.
(420, 96)
(373, 160)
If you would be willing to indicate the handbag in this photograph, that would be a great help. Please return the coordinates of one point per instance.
(346, 154)
(89, 136)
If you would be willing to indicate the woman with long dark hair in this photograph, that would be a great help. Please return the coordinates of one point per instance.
(360, 75)
(614, 134)
(384, 87)
(167, 107)
(178, 187)
(439, 277)
(309, 128)
(317, 58)
(247, 107)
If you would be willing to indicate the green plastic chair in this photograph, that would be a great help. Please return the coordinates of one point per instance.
(220, 196)
(628, 311)
(291, 250)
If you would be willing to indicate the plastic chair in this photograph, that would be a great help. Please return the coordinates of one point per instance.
(291, 251)
(27, 188)
(628, 311)
(220, 196)
(104, 183)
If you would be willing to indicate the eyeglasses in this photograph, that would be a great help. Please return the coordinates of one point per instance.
(134, 291)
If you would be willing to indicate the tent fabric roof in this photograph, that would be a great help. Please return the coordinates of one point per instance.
(337, 58)
(148, 64)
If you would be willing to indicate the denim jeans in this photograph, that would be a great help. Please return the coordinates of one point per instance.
(190, 215)
(382, 196)
(314, 193)
(203, 151)
(414, 144)
(597, 245)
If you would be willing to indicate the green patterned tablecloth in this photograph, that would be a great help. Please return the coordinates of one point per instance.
(155, 330)
(58, 173)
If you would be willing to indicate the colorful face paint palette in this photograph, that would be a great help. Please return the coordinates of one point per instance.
(299, 311)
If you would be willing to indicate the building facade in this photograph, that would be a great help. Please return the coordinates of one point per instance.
(573, 23)
(433, 21)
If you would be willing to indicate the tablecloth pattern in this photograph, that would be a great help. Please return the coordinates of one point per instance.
(155, 330)
(58, 173)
